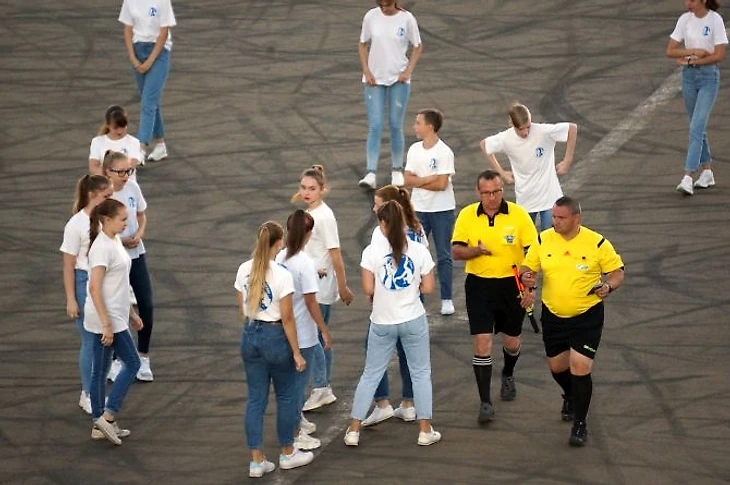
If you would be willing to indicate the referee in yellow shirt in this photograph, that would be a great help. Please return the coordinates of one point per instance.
(491, 236)
(580, 269)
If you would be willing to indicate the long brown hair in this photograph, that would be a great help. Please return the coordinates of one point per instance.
(317, 173)
(401, 195)
(298, 225)
(115, 115)
(268, 235)
(392, 214)
(108, 208)
(85, 186)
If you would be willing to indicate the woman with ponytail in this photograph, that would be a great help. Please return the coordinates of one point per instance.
(107, 315)
(414, 231)
(307, 314)
(270, 350)
(113, 137)
(394, 274)
(90, 191)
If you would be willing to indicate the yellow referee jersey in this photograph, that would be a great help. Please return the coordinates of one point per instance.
(506, 235)
(571, 268)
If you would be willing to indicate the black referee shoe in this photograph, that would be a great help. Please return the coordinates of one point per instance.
(567, 412)
(486, 412)
(508, 392)
(579, 434)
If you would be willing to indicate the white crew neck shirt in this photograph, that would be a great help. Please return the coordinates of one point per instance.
(304, 275)
(128, 145)
(324, 237)
(76, 239)
(389, 37)
(437, 160)
(278, 284)
(147, 17)
(533, 163)
(109, 253)
(131, 196)
(700, 33)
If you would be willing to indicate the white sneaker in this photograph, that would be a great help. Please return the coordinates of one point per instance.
(145, 373)
(379, 415)
(96, 433)
(257, 470)
(107, 429)
(85, 402)
(368, 181)
(425, 439)
(447, 307)
(396, 178)
(685, 186)
(114, 370)
(406, 414)
(296, 459)
(305, 442)
(307, 426)
(321, 396)
(158, 153)
(707, 179)
(352, 438)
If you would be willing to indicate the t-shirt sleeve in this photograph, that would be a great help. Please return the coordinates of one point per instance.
(528, 231)
(239, 282)
(285, 283)
(532, 259)
(366, 33)
(309, 279)
(410, 160)
(125, 15)
(558, 131)
(609, 259)
(679, 30)
(427, 263)
(138, 154)
(719, 33)
(94, 150)
(141, 202)
(495, 143)
(461, 234)
(331, 235)
(71, 240)
(447, 168)
(98, 256)
(366, 259)
(167, 16)
(414, 35)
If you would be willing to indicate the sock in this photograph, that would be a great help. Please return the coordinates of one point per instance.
(510, 360)
(564, 381)
(483, 373)
(582, 391)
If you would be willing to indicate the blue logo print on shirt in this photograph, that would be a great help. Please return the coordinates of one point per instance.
(153, 12)
(432, 164)
(124, 150)
(539, 152)
(131, 203)
(400, 278)
(400, 32)
(266, 298)
(706, 30)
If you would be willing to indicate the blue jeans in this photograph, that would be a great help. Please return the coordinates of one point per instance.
(396, 98)
(86, 349)
(302, 378)
(700, 86)
(383, 391)
(150, 86)
(139, 280)
(123, 347)
(546, 218)
(268, 358)
(322, 359)
(441, 224)
(381, 343)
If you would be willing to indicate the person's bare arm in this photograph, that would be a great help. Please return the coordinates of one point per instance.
(69, 285)
(339, 266)
(564, 165)
(310, 300)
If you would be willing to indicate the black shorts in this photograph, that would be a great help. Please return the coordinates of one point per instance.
(581, 333)
(493, 305)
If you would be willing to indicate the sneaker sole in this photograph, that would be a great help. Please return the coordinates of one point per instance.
(684, 191)
(429, 443)
(576, 442)
(364, 185)
(145, 378)
(150, 159)
(291, 467)
(112, 438)
(97, 435)
(378, 421)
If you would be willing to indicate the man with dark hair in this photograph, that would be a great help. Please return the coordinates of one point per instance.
(580, 268)
(491, 236)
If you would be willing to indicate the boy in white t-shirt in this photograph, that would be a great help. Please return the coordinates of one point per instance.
(429, 167)
(530, 148)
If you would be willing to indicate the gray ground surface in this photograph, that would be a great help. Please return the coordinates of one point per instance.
(260, 90)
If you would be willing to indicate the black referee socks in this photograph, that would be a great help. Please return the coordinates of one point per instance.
(483, 373)
(582, 391)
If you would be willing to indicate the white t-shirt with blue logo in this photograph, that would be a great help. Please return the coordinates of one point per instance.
(325, 236)
(437, 160)
(389, 36)
(415, 236)
(700, 33)
(109, 253)
(76, 239)
(397, 287)
(128, 145)
(279, 283)
(147, 17)
(131, 196)
(304, 275)
(533, 163)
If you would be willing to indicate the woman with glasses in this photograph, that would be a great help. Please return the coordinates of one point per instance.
(118, 168)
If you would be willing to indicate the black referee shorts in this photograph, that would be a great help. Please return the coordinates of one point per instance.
(493, 305)
(581, 333)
